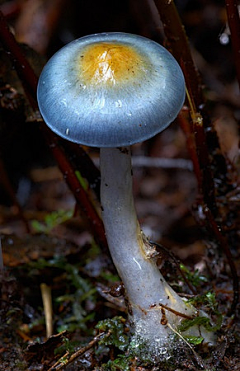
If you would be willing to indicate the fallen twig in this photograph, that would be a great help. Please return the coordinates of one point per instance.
(62, 362)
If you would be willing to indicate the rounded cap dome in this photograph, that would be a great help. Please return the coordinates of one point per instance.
(110, 90)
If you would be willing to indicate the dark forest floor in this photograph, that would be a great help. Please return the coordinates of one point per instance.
(46, 241)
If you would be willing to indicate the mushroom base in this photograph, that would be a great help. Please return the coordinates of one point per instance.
(155, 333)
(155, 309)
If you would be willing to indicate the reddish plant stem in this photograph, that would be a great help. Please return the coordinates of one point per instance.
(199, 150)
(178, 43)
(207, 183)
(221, 239)
(234, 26)
(66, 359)
(80, 194)
(29, 80)
(194, 152)
(191, 145)
(83, 162)
(23, 68)
(180, 48)
(170, 255)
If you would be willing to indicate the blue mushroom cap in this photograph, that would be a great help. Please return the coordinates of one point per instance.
(110, 90)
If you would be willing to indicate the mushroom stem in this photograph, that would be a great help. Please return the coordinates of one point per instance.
(148, 294)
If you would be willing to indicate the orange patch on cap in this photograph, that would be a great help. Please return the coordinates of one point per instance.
(110, 64)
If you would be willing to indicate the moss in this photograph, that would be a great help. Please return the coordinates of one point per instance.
(51, 220)
(208, 300)
(195, 278)
(118, 333)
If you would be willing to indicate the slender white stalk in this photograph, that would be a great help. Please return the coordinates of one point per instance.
(147, 292)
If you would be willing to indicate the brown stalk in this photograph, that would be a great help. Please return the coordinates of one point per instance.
(23, 68)
(80, 194)
(234, 26)
(83, 162)
(222, 241)
(29, 80)
(66, 359)
(183, 120)
(177, 42)
(176, 262)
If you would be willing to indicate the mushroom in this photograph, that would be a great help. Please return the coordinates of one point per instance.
(112, 90)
